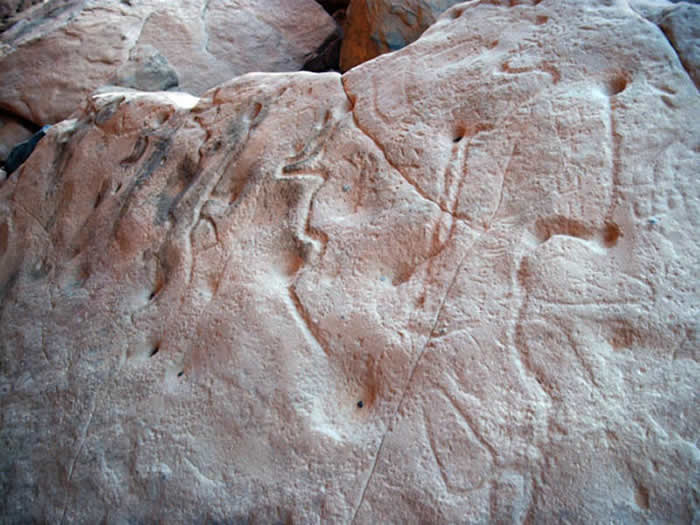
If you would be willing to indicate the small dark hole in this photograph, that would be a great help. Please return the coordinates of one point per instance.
(360, 404)
(611, 234)
(155, 350)
(180, 373)
(119, 187)
(152, 296)
(616, 85)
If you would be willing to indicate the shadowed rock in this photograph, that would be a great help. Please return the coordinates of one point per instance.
(22, 151)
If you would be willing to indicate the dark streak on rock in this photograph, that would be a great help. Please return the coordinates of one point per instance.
(311, 151)
(137, 152)
(108, 111)
(187, 173)
(160, 150)
(65, 145)
(7, 287)
(165, 203)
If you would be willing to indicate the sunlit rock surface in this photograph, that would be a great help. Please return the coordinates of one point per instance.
(457, 284)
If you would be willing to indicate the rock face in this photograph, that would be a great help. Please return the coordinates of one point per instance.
(457, 284)
(681, 25)
(9, 8)
(375, 27)
(64, 49)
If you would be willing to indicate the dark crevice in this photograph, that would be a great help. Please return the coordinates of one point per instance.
(327, 55)
(5, 114)
(22, 151)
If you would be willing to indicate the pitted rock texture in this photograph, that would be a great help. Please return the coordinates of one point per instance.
(58, 53)
(456, 285)
(375, 27)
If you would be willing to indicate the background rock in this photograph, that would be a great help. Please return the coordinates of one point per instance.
(10, 8)
(327, 56)
(62, 50)
(456, 285)
(374, 27)
(681, 26)
(147, 70)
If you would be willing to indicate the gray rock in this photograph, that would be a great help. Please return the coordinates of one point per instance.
(147, 70)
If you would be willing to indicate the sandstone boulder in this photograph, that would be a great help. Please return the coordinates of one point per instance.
(375, 27)
(62, 50)
(458, 284)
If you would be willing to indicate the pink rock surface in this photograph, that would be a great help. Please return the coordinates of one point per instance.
(487, 239)
(62, 50)
(9, 8)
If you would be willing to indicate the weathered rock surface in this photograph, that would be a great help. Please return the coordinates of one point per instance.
(681, 25)
(9, 8)
(375, 27)
(486, 238)
(62, 50)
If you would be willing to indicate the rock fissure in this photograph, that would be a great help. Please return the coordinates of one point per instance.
(352, 99)
(407, 384)
(79, 449)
